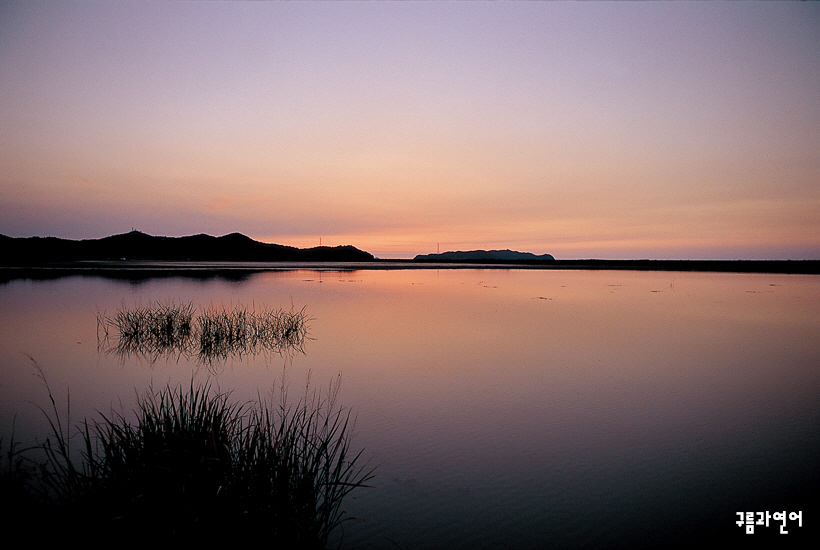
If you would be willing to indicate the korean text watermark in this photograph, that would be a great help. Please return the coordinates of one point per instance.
(762, 519)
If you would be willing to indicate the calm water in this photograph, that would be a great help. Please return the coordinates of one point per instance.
(517, 408)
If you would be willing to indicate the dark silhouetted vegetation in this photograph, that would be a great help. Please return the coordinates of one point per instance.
(193, 466)
(176, 330)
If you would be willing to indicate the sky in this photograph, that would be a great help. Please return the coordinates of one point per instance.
(579, 129)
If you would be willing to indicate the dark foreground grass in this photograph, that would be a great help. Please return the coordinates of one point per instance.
(193, 467)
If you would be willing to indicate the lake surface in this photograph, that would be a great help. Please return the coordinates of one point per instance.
(502, 407)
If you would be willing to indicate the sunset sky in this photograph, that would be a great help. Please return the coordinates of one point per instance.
(579, 129)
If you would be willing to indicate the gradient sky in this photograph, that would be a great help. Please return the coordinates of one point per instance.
(606, 130)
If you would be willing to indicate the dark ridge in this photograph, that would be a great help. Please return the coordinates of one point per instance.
(724, 266)
(235, 247)
(807, 267)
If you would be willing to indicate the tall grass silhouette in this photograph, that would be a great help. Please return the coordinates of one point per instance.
(194, 465)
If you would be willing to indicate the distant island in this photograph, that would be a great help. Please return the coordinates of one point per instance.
(484, 256)
(506, 258)
(32, 251)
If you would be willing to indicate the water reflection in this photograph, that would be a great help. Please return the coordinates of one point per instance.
(504, 407)
(174, 331)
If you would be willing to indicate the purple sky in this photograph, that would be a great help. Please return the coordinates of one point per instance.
(580, 129)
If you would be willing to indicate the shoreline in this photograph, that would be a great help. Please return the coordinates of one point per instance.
(144, 269)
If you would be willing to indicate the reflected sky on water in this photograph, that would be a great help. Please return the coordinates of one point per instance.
(562, 408)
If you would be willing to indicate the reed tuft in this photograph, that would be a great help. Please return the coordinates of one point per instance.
(212, 335)
(196, 466)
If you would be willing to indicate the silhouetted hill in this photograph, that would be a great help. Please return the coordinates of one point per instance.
(139, 246)
(484, 256)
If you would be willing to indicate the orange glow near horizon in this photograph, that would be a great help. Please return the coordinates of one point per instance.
(612, 130)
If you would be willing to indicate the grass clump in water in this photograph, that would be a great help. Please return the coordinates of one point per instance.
(151, 331)
(212, 335)
(237, 332)
(196, 466)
